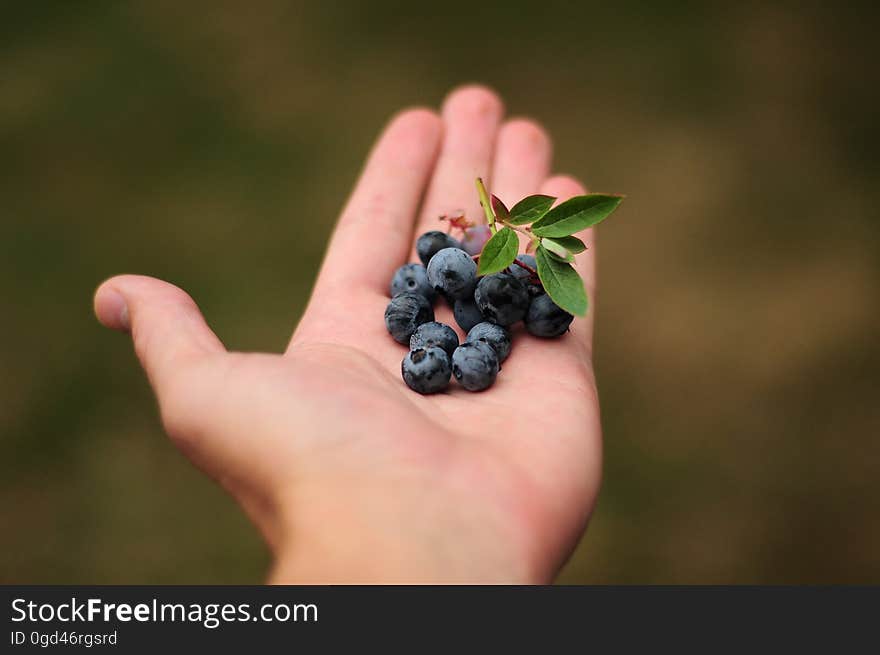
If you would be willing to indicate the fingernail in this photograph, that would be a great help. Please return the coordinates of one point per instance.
(112, 310)
(124, 319)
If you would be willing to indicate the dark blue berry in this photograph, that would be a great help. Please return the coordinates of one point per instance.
(546, 319)
(475, 365)
(434, 335)
(533, 284)
(430, 243)
(496, 336)
(426, 370)
(502, 298)
(519, 271)
(466, 313)
(405, 313)
(453, 273)
(412, 278)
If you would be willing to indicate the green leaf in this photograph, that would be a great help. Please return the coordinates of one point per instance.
(576, 214)
(530, 209)
(557, 249)
(500, 209)
(499, 252)
(561, 282)
(571, 244)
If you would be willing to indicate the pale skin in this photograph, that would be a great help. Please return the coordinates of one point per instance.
(349, 475)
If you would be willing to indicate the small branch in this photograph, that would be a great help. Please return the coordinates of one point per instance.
(526, 266)
(515, 261)
(522, 230)
(486, 205)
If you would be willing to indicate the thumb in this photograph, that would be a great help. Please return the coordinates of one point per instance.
(180, 354)
(169, 333)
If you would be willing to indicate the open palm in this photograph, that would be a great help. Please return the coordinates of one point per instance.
(351, 476)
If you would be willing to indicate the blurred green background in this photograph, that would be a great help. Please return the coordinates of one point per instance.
(737, 345)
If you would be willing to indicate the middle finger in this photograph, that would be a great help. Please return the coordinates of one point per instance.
(471, 116)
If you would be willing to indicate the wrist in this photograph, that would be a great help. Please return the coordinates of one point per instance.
(365, 537)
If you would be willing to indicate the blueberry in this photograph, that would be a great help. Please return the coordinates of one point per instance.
(546, 318)
(495, 335)
(475, 238)
(466, 313)
(405, 313)
(426, 370)
(434, 335)
(475, 365)
(528, 260)
(412, 278)
(502, 298)
(523, 275)
(453, 273)
(519, 271)
(432, 242)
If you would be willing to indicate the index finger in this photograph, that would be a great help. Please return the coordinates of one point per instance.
(380, 213)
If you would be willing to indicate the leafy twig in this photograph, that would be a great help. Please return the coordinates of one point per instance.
(551, 233)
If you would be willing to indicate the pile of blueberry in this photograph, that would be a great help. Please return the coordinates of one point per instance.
(485, 308)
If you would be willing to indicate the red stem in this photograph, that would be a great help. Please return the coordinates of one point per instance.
(525, 266)
(518, 263)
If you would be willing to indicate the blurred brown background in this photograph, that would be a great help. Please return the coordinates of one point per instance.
(212, 144)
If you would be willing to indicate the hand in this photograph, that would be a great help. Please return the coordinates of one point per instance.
(350, 476)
